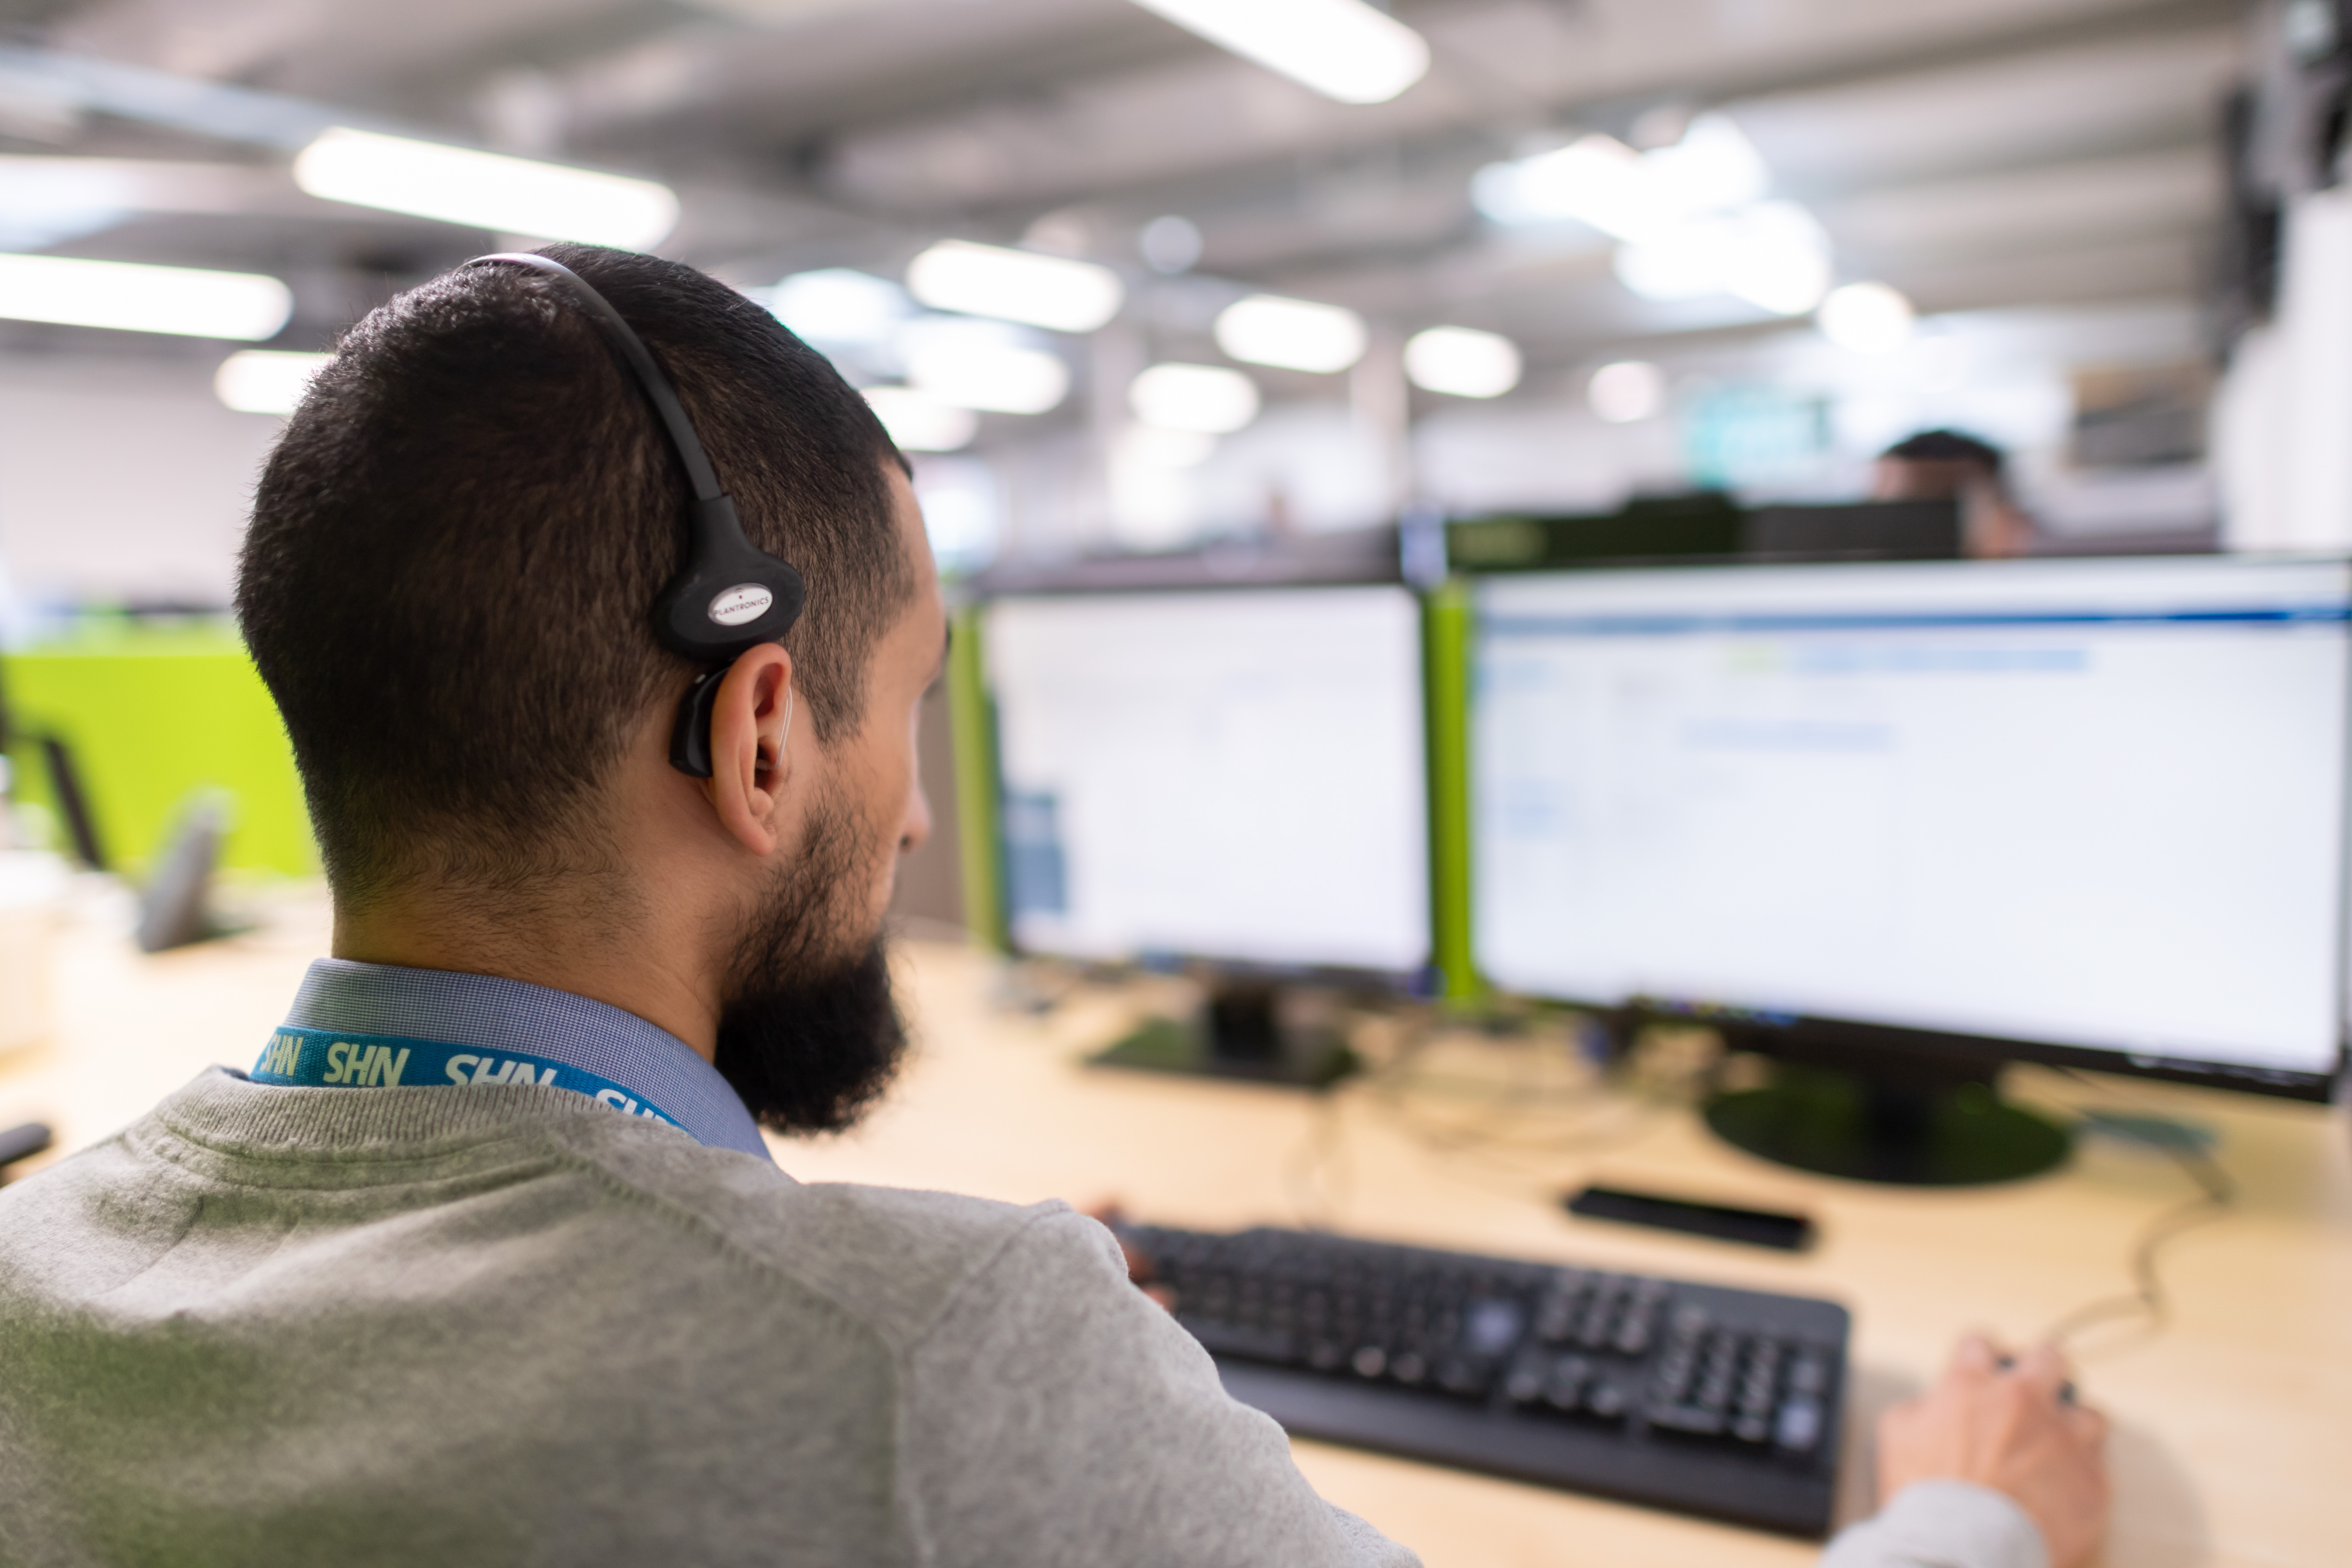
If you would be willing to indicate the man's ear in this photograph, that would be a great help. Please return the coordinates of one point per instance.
(750, 728)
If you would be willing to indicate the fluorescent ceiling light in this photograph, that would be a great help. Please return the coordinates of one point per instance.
(1627, 391)
(1868, 318)
(263, 381)
(1206, 398)
(920, 423)
(1633, 195)
(134, 298)
(1713, 168)
(840, 305)
(1773, 255)
(1463, 361)
(485, 190)
(1296, 334)
(950, 362)
(1342, 48)
(1782, 261)
(1015, 286)
(1596, 179)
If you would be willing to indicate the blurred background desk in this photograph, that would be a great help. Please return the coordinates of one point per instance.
(2233, 1426)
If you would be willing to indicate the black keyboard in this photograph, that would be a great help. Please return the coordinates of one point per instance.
(1691, 1397)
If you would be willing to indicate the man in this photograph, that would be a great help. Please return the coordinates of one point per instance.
(1943, 465)
(551, 1300)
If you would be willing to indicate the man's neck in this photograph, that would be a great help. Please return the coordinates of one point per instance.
(621, 963)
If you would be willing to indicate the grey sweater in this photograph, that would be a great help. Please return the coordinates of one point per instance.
(502, 1324)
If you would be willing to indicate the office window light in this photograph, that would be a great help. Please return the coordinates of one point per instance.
(264, 381)
(1206, 398)
(1463, 361)
(1051, 291)
(922, 423)
(1296, 334)
(1342, 48)
(485, 190)
(132, 297)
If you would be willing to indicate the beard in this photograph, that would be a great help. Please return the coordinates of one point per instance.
(809, 1033)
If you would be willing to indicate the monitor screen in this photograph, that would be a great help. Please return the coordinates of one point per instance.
(2096, 804)
(1235, 774)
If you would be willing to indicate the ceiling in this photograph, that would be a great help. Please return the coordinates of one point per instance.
(1976, 154)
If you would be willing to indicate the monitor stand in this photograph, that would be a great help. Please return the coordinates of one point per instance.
(1913, 1125)
(1241, 1032)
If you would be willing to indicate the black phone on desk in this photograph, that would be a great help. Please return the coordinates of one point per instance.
(1721, 1222)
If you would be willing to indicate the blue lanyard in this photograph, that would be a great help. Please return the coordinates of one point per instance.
(315, 1057)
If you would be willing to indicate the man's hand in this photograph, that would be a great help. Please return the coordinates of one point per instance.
(2012, 1426)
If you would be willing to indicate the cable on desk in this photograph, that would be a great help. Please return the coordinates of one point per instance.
(2216, 1193)
(1496, 1136)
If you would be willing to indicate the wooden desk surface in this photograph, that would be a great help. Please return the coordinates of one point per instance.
(2233, 1426)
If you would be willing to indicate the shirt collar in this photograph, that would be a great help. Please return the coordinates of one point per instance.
(493, 1013)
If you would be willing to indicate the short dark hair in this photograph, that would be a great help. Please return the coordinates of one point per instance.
(456, 545)
(1946, 446)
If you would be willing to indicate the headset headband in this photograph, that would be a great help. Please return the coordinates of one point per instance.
(726, 598)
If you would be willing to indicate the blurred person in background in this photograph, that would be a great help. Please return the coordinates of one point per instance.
(439, 1297)
(1941, 465)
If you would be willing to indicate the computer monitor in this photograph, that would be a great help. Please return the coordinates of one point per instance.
(1914, 820)
(1233, 775)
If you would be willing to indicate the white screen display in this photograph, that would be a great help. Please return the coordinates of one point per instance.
(2086, 803)
(1234, 775)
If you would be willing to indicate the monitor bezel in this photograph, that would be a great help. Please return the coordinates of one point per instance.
(1801, 1034)
(1419, 981)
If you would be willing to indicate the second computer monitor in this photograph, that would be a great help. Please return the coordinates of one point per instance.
(2087, 811)
(1231, 774)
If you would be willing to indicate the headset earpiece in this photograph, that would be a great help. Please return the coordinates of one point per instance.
(726, 598)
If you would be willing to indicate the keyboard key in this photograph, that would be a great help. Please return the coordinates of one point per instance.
(1470, 1379)
(1689, 1419)
(1799, 1426)
(1492, 1328)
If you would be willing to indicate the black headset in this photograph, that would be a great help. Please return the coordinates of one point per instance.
(726, 598)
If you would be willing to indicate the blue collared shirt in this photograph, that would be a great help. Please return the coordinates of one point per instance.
(491, 1014)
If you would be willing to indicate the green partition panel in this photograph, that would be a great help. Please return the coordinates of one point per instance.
(979, 831)
(1445, 646)
(152, 714)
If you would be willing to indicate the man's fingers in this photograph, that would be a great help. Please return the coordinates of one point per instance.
(2043, 1368)
(1976, 1356)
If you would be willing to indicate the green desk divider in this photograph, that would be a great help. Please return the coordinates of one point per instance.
(974, 720)
(153, 713)
(1446, 620)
